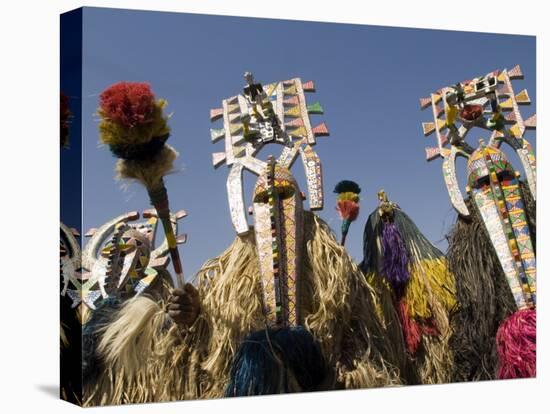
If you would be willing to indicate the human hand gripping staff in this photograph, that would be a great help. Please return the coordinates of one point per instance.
(135, 128)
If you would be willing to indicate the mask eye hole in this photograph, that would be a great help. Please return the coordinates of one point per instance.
(261, 197)
(482, 182)
(126, 248)
(284, 190)
(505, 175)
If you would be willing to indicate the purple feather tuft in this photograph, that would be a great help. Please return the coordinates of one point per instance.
(396, 258)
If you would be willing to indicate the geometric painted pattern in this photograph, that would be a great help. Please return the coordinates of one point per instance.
(124, 251)
(500, 116)
(501, 206)
(278, 216)
(499, 239)
(77, 283)
(246, 130)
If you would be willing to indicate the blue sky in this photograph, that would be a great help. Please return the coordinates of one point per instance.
(368, 80)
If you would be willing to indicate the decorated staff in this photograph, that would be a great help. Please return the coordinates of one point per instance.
(135, 128)
(347, 204)
(424, 291)
(492, 246)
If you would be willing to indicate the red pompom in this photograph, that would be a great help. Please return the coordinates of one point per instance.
(128, 103)
(348, 209)
(517, 345)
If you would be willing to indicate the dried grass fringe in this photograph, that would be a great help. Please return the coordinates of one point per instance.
(483, 295)
(149, 359)
(431, 293)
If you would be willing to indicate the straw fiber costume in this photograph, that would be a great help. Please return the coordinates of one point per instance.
(283, 309)
(492, 246)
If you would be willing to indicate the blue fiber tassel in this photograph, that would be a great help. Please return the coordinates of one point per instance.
(275, 361)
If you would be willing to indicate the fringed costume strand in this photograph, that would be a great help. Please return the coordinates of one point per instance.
(148, 358)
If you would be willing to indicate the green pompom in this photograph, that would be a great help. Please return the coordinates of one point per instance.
(347, 186)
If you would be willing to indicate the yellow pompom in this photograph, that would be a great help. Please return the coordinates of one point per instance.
(348, 196)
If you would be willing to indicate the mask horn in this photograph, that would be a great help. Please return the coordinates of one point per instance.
(314, 177)
(449, 175)
(526, 155)
(235, 196)
(514, 135)
(98, 237)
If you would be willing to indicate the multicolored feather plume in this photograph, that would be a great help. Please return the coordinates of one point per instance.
(347, 204)
(135, 128)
